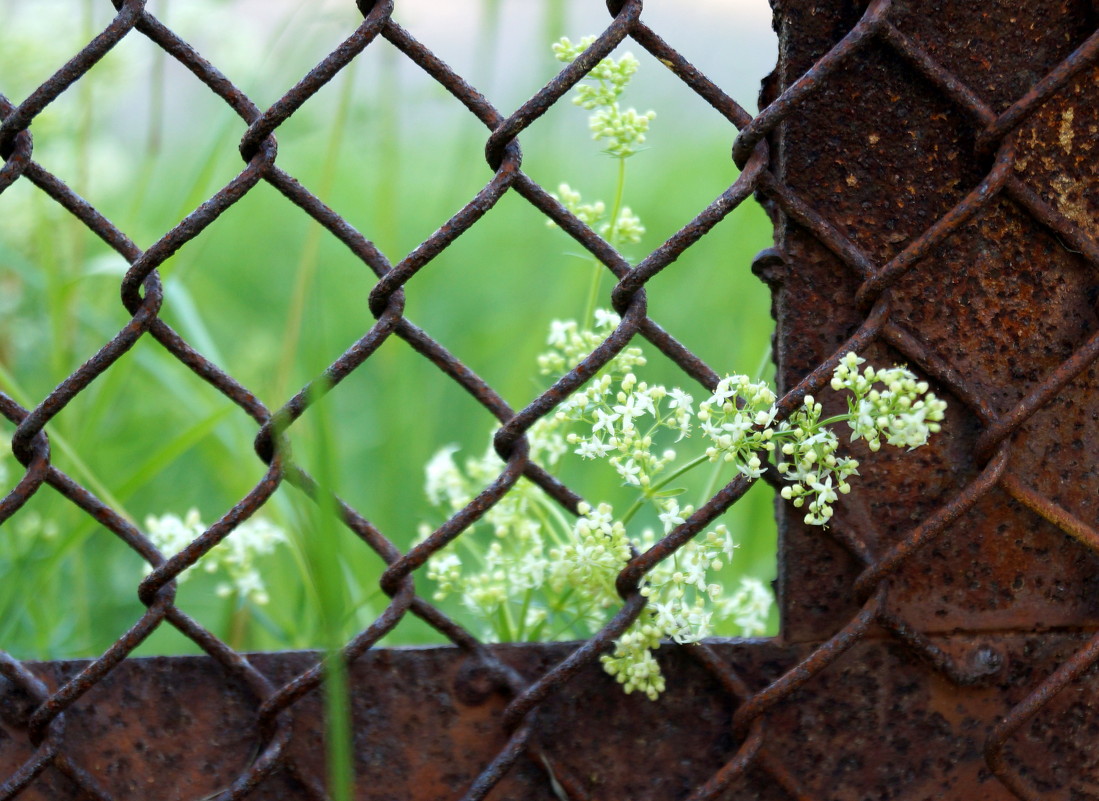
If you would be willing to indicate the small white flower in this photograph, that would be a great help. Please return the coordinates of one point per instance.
(671, 516)
(749, 606)
(559, 330)
(630, 408)
(630, 472)
(604, 422)
(593, 448)
(680, 400)
(606, 319)
(443, 481)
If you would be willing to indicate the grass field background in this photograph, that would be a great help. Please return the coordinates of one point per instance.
(272, 299)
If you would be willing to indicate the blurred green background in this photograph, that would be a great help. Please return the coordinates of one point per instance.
(272, 299)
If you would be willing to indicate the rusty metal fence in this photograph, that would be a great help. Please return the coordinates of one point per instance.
(931, 172)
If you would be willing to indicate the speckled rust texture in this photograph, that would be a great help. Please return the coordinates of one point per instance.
(881, 153)
(876, 724)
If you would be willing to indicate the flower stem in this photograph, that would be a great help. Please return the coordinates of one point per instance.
(612, 237)
(238, 622)
(648, 494)
(521, 634)
(503, 616)
(711, 484)
(616, 209)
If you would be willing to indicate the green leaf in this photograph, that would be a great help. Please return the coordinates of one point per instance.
(669, 493)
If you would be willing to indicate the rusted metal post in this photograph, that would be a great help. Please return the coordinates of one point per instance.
(964, 245)
(933, 185)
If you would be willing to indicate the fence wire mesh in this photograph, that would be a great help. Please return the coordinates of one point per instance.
(930, 169)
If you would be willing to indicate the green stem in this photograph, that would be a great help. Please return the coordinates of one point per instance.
(513, 630)
(504, 623)
(616, 208)
(238, 622)
(612, 236)
(548, 513)
(593, 291)
(527, 596)
(648, 494)
(708, 490)
(570, 626)
(474, 550)
(337, 735)
(831, 421)
(679, 471)
(318, 537)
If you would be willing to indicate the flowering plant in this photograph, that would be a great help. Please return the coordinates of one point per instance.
(622, 131)
(543, 576)
(233, 559)
(234, 556)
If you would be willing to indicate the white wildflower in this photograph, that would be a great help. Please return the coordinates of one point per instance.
(235, 555)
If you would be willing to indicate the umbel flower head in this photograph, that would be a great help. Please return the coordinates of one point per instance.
(901, 409)
(235, 556)
(621, 131)
(543, 576)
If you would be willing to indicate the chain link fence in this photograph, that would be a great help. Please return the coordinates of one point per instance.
(931, 174)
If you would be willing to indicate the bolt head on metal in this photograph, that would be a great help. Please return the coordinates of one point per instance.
(986, 661)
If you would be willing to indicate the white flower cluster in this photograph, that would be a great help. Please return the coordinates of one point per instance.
(620, 415)
(235, 555)
(622, 130)
(515, 564)
(611, 76)
(588, 213)
(569, 344)
(811, 465)
(902, 410)
(889, 403)
(684, 599)
(558, 575)
(542, 576)
(591, 559)
(626, 229)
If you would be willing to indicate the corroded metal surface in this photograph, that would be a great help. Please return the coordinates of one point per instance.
(930, 167)
(941, 188)
(175, 728)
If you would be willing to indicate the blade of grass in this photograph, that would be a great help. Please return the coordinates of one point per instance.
(318, 540)
(307, 261)
(80, 469)
(171, 450)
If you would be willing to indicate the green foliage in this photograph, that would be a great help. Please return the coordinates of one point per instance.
(272, 299)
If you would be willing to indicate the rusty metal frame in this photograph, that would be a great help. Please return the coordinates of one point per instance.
(931, 172)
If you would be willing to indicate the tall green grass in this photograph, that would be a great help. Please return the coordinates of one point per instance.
(272, 299)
